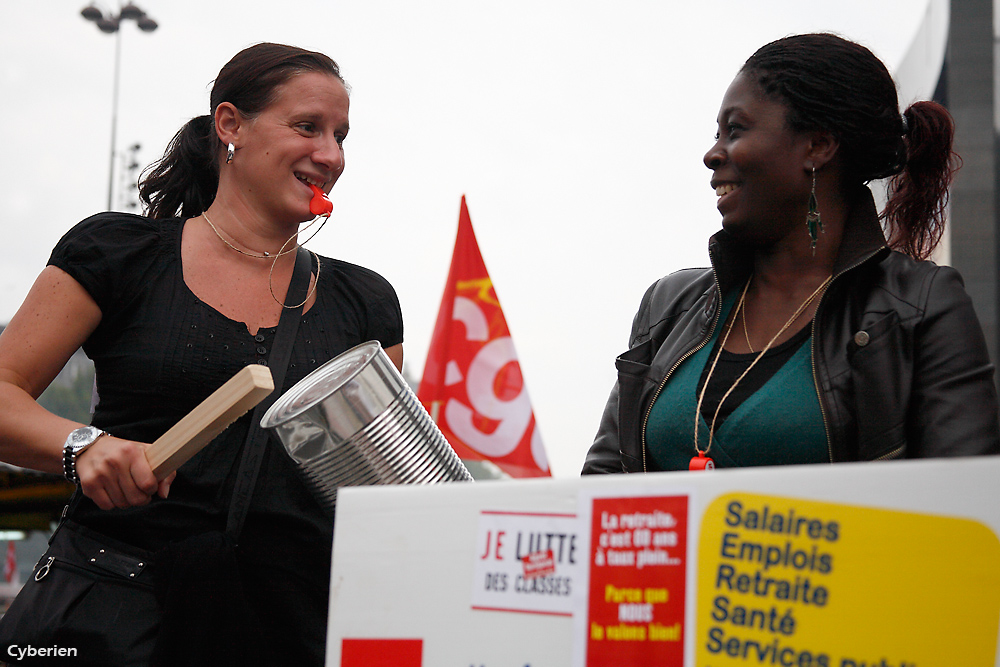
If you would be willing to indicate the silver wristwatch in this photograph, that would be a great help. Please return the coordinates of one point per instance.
(76, 444)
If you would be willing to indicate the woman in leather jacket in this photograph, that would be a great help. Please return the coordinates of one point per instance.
(816, 336)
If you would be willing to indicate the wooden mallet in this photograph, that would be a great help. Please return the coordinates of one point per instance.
(210, 418)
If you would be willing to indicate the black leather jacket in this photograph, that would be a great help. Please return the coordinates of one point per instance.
(899, 359)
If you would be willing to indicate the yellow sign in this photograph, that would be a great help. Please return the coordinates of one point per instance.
(799, 583)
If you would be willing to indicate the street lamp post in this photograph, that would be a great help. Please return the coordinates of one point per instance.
(110, 23)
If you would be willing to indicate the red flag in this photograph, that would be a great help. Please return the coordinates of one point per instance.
(10, 564)
(472, 383)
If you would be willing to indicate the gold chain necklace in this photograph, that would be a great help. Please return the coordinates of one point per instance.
(256, 255)
(281, 251)
(270, 282)
(743, 315)
(701, 461)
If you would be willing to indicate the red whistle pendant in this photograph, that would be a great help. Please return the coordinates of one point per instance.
(319, 204)
(701, 462)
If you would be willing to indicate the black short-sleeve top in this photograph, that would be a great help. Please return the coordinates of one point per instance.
(159, 351)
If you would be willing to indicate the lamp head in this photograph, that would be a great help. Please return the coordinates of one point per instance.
(130, 11)
(107, 25)
(91, 13)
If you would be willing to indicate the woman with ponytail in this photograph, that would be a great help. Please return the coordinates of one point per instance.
(169, 306)
(822, 333)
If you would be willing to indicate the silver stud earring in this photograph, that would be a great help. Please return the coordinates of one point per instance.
(230, 151)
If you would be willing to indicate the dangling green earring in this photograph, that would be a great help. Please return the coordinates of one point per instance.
(814, 225)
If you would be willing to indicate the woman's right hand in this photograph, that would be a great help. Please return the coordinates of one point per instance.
(56, 318)
(114, 473)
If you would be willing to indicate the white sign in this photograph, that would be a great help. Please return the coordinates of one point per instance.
(528, 562)
(405, 557)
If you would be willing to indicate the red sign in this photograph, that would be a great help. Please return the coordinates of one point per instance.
(381, 652)
(472, 384)
(637, 581)
(10, 564)
(539, 564)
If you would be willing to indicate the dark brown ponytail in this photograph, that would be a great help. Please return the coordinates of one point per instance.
(918, 195)
(184, 181)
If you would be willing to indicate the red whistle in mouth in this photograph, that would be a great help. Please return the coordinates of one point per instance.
(319, 204)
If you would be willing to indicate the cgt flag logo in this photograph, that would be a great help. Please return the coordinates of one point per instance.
(472, 384)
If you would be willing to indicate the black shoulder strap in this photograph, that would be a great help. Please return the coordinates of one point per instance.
(281, 353)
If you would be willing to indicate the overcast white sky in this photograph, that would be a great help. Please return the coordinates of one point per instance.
(575, 128)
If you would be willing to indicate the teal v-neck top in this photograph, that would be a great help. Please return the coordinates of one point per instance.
(780, 423)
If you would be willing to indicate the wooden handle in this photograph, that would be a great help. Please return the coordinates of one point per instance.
(226, 404)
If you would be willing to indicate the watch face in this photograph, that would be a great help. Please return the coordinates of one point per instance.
(83, 436)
